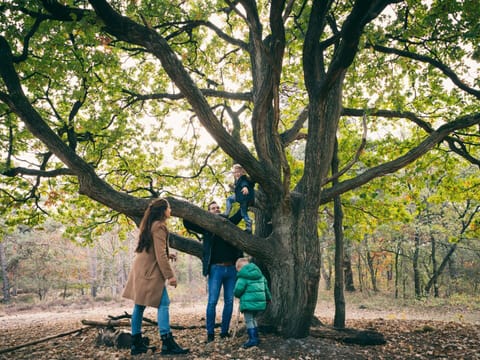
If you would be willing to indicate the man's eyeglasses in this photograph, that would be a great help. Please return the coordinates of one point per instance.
(215, 208)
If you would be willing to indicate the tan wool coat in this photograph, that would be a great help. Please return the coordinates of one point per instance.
(150, 270)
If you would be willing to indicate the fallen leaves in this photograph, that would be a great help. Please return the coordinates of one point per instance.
(406, 339)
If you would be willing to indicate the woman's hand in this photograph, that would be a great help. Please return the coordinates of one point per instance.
(172, 281)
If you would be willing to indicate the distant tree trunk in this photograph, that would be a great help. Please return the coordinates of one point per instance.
(371, 266)
(349, 283)
(416, 270)
(339, 318)
(190, 269)
(327, 274)
(453, 273)
(371, 269)
(3, 265)
(440, 269)
(434, 265)
(93, 272)
(396, 269)
(359, 269)
(14, 283)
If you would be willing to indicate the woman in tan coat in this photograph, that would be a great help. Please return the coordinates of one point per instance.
(150, 273)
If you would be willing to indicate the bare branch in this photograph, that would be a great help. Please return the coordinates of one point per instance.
(33, 172)
(439, 65)
(433, 139)
(455, 144)
(355, 158)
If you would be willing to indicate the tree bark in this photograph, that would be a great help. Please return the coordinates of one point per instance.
(327, 275)
(294, 270)
(339, 318)
(371, 266)
(416, 270)
(3, 266)
(440, 269)
(396, 269)
(434, 265)
(349, 282)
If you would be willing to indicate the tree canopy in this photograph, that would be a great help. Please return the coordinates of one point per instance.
(99, 98)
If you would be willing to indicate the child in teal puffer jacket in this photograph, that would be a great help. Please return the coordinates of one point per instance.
(252, 290)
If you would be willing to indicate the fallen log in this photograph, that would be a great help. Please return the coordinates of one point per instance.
(106, 323)
(349, 336)
(148, 321)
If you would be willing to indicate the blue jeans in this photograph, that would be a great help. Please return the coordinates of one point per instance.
(244, 212)
(228, 204)
(220, 276)
(250, 319)
(163, 316)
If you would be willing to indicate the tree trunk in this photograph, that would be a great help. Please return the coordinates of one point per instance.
(396, 270)
(93, 272)
(347, 264)
(326, 276)
(359, 268)
(434, 265)
(294, 270)
(371, 266)
(440, 269)
(416, 270)
(339, 318)
(3, 266)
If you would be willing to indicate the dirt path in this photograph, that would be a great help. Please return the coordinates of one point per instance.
(324, 310)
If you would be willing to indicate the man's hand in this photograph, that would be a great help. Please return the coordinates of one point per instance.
(245, 190)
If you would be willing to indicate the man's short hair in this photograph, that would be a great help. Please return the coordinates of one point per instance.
(210, 204)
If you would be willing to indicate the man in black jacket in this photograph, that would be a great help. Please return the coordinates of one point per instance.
(218, 263)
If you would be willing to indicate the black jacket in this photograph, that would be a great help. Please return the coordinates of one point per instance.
(212, 242)
(244, 181)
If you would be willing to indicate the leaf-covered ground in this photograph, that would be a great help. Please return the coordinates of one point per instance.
(407, 338)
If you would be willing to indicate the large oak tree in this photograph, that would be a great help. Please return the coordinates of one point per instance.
(268, 80)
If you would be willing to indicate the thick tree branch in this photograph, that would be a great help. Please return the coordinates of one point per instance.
(221, 226)
(293, 133)
(455, 143)
(433, 139)
(207, 92)
(363, 12)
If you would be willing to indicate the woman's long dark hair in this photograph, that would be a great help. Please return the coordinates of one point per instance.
(155, 211)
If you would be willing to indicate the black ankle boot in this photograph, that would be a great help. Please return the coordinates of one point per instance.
(138, 345)
(169, 346)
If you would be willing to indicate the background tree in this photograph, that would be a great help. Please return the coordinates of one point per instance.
(92, 99)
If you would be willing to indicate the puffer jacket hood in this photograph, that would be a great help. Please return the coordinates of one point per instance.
(250, 272)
